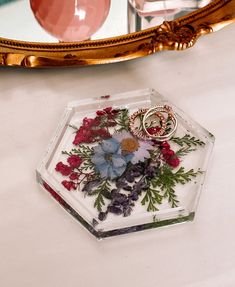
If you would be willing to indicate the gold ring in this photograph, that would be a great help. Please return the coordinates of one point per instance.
(139, 131)
(171, 117)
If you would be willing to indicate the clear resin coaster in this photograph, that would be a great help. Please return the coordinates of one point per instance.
(115, 183)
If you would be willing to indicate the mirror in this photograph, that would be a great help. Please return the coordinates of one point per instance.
(123, 18)
(52, 25)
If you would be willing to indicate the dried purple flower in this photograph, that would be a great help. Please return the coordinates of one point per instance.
(119, 198)
(120, 204)
(139, 168)
(140, 186)
(134, 196)
(115, 209)
(127, 211)
(129, 177)
(114, 191)
(136, 173)
(102, 216)
(128, 188)
(151, 171)
(121, 183)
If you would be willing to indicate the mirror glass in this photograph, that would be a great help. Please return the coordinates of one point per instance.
(76, 20)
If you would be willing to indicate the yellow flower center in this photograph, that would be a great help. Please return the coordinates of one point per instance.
(108, 157)
(130, 145)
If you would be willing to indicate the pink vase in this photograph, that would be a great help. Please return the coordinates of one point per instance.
(71, 20)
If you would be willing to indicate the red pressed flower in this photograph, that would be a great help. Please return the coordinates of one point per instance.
(111, 123)
(101, 113)
(167, 153)
(74, 161)
(90, 130)
(79, 138)
(153, 130)
(63, 169)
(74, 176)
(83, 135)
(173, 161)
(165, 145)
(102, 133)
(111, 116)
(69, 185)
(96, 122)
(87, 122)
(108, 110)
(114, 112)
(105, 97)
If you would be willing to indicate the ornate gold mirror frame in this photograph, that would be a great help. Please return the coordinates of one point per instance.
(179, 34)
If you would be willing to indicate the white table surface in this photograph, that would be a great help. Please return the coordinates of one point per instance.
(41, 245)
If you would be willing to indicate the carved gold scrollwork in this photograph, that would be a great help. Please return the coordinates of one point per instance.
(170, 36)
(2, 59)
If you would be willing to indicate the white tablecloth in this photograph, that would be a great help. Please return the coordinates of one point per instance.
(41, 245)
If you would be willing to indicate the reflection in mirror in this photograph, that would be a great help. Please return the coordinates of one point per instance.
(144, 14)
(73, 21)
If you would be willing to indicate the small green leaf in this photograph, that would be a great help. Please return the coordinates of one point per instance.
(167, 179)
(184, 151)
(123, 120)
(84, 151)
(99, 202)
(152, 197)
(188, 141)
(103, 191)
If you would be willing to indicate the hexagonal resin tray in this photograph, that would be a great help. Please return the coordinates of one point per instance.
(114, 183)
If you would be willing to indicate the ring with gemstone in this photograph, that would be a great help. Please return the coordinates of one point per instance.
(170, 121)
(138, 130)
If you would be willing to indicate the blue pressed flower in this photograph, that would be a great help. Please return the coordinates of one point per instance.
(108, 160)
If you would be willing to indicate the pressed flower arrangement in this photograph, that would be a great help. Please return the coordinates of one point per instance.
(117, 169)
(119, 176)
